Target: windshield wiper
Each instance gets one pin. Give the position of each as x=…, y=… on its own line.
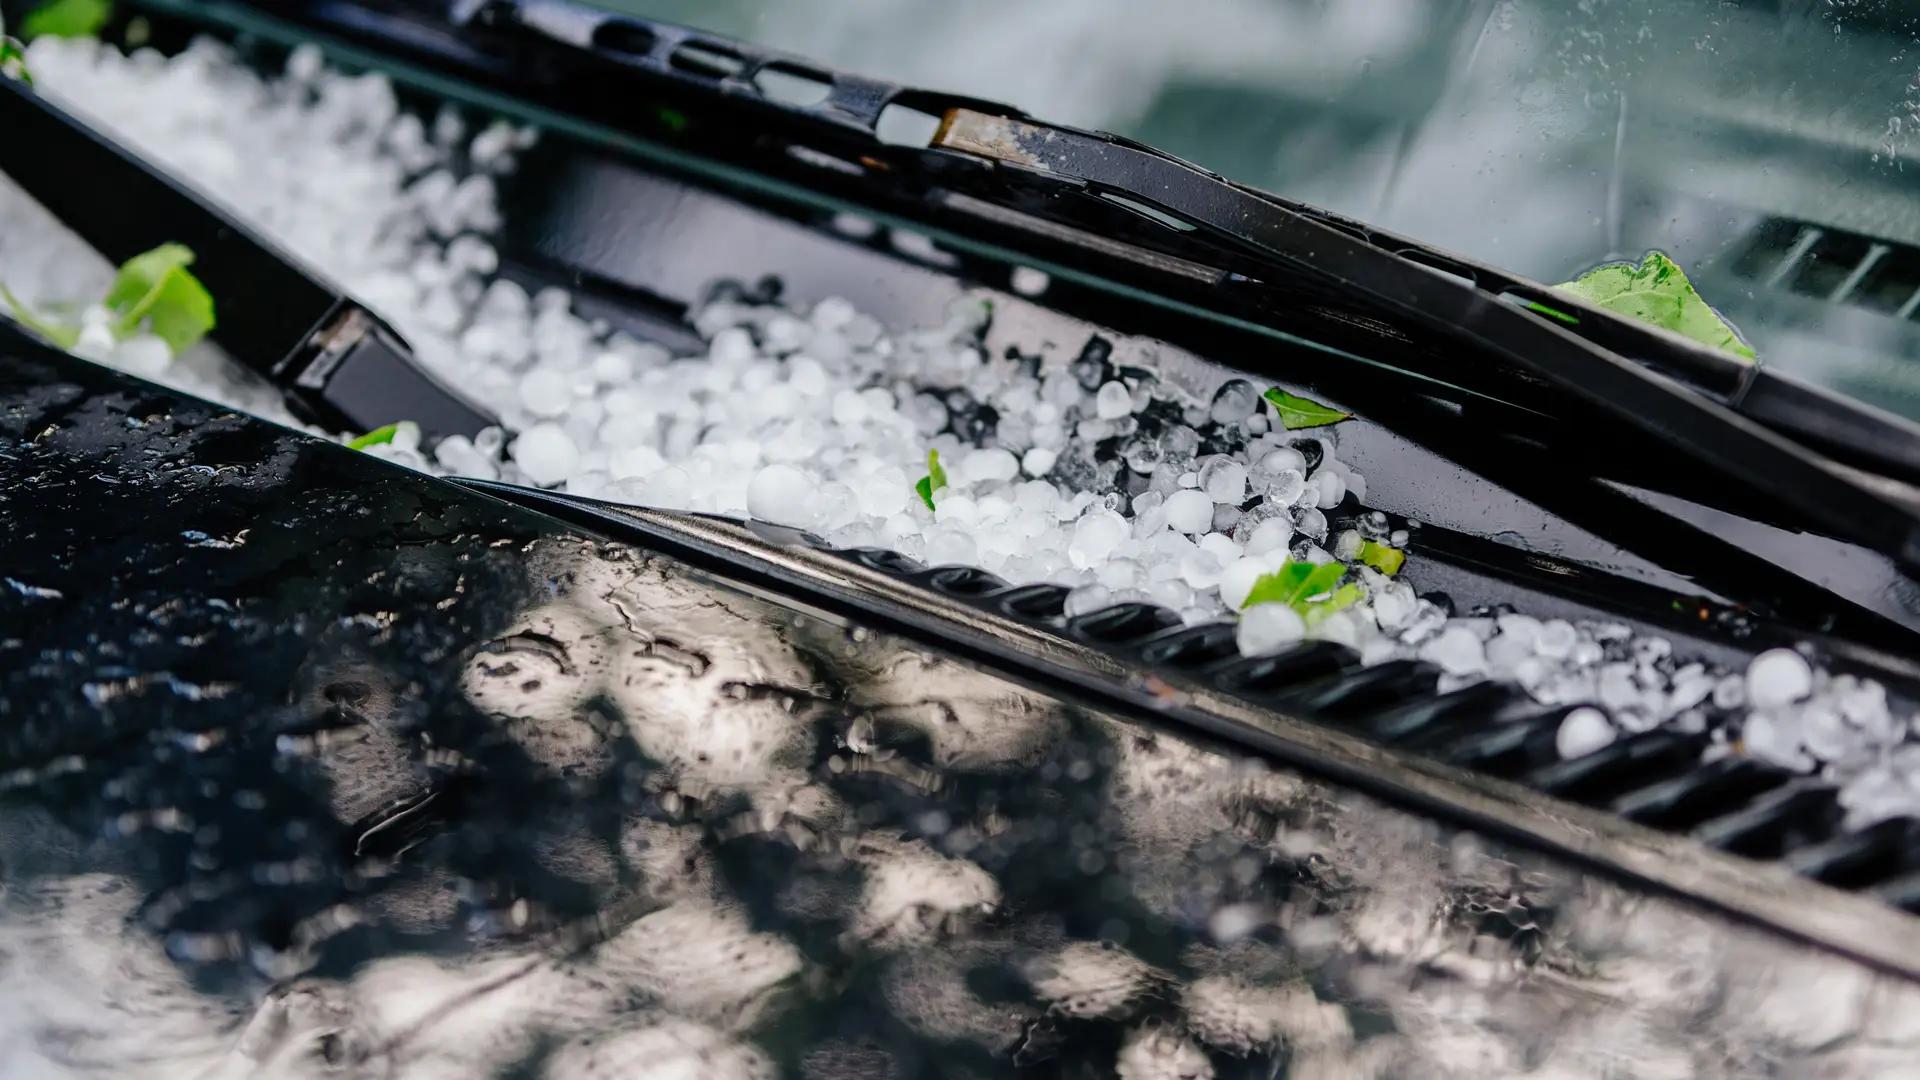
x=992, y=176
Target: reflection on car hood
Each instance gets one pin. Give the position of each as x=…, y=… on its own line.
x=316, y=767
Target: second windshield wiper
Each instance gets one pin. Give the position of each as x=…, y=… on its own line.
x=337, y=363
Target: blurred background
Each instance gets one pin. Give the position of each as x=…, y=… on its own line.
x=1762, y=143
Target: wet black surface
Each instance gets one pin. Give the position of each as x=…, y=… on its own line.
x=311, y=765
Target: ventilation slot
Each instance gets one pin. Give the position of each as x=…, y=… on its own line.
x=904, y=125
x=1714, y=790
x=1835, y=260
x=1774, y=827
x=1437, y=719
x=793, y=86
x=1037, y=602
x=891, y=562
x=1190, y=650
x=1301, y=664
x=1150, y=212
x=1513, y=749
x=1890, y=849
x=1122, y=624
x=1891, y=285
x=620, y=36
x=965, y=582
x=1360, y=693
x=707, y=61
x=1604, y=775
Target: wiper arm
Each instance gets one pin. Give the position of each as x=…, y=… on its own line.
x=1189, y=233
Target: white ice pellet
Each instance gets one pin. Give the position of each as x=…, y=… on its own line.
x=1113, y=401
x=951, y=547
x=1266, y=629
x=991, y=465
x=1273, y=534
x=1087, y=599
x=1038, y=461
x=142, y=354
x=1224, y=480
x=783, y=495
x=1029, y=282
x=546, y=454
x=1458, y=651
x=1331, y=487
x=1095, y=536
x=1778, y=677
x=1582, y=732
x=545, y=393
x=1774, y=739
x=1556, y=639
x=1235, y=401
x=1237, y=580
x=1189, y=511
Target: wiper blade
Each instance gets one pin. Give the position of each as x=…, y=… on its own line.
x=338, y=364
x=1733, y=416
x=1183, y=232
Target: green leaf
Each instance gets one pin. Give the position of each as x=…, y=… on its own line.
x=13, y=61
x=935, y=479
x=1657, y=292
x=1554, y=313
x=1317, y=611
x=156, y=288
x=1297, y=412
x=374, y=438
x=1387, y=560
x=67, y=19
x=1295, y=584
x=62, y=335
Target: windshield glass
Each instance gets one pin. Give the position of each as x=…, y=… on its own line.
x=1763, y=144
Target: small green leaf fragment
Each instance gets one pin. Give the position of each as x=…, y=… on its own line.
x=13, y=61
x=1295, y=584
x=374, y=438
x=1554, y=313
x=156, y=288
x=1344, y=597
x=935, y=479
x=1297, y=412
x=1387, y=560
x=67, y=19
x=1656, y=291
x=62, y=335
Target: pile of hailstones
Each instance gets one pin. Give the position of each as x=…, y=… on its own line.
x=1100, y=479
x=1072, y=473
x=1103, y=480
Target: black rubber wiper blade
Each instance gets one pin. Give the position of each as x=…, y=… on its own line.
x=1678, y=392
x=1425, y=307
x=338, y=364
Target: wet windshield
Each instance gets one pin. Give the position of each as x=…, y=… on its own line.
x=1762, y=143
